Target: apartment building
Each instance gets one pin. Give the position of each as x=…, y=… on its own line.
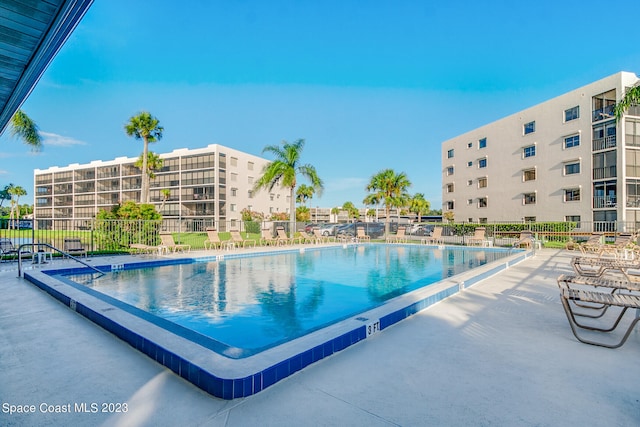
x=566, y=159
x=213, y=184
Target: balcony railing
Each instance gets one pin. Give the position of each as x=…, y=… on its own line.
x=604, y=143
x=608, y=172
x=603, y=113
x=604, y=202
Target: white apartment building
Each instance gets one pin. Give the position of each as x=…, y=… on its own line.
x=212, y=184
x=566, y=159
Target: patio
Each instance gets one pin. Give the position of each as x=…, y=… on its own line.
x=500, y=353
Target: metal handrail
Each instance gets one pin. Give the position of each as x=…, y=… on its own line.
x=55, y=249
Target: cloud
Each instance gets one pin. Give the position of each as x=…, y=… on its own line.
x=342, y=184
x=3, y=172
x=59, y=140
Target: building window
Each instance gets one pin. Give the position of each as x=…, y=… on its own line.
x=571, y=194
x=469, y=145
x=234, y=161
x=450, y=154
x=482, y=163
x=482, y=202
x=449, y=170
x=529, y=175
x=469, y=164
x=250, y=194
x=573, y=218
x=470, y=182
x=482, y=143
x=482, y=182
x=529, y=127
x=449, y=188
x=572, y=141
x=232, y=207
x=450, y=205
x=272, y=196
x=469, y=201
x=250, y=180
x=529, y=219
x=572, y=168
x=234, y=192
x=571, y=113
x=234, y=177
x=632, y=131
x=530, y=198
x=529, y=151
x=250, y=166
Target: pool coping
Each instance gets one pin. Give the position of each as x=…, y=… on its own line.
x=234, y=378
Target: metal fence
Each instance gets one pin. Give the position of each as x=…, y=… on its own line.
x=115, y=236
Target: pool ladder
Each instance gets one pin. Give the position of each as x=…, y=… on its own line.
x=46, y=245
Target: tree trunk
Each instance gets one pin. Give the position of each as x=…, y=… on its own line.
x=292, y=214
x=144, y=190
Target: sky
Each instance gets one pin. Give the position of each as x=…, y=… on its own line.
x=369, y=85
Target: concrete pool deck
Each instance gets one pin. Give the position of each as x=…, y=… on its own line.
x=499, y=353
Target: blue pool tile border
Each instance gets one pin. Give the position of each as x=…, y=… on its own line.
x=244, y=386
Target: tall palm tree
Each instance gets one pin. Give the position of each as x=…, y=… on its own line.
x=284, y=170
x=14, y=214
x=419, y=205
x=146, y=127
x=390, y=189
x=24, y=128
x=631, y=98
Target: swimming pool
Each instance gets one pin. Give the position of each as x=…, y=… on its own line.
x=236, y=324
x=251, y=304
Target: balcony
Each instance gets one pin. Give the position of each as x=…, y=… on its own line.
x=600, y=202
x=602, y=113
x=604, y=143
x=607, y=172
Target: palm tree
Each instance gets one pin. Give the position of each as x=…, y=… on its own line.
x=5, y=194
x=631, y=98
x=284, y=170
x=14, y=214
x=154, y=163
x=388, y=188
x=419, y=205
x=304, y=193
x=166, y=193
x=352, y=211
x=147, y=128
x=24, y=128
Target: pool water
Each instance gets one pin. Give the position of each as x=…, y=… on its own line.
x=255, y=303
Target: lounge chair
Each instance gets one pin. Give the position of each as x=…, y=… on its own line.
x=526, y=239
x=478, y=237
x=142, y=249
x=266, y=238
x=320, y=238
x=171, y=245
x=283, y=238
x=623, y=242
x=620, y=297
x=73, y=246
x=237, y=239
x=213, y=239
x=361, y=235
x=435, y=238
x=8, y=250
x=399, y=237
x=593, y=245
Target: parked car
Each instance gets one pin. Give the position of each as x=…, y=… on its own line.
x=328, y=229
x=374, y=230
x=309, y=227
x=421, y=230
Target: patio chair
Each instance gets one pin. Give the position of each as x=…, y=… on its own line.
x=266, y=238
x=361, y=235
x=142, y=249
x=435, y=238
x=171, y=245
x=282, y=236
x=320, y=238
x=478, y=237
x=213, y=239
x=526, y=239
x=624, y=242
x=593, y=245
x=399, y=237
x=73, y=246
x=237, y=239
x=592, y=294
x=307, y=238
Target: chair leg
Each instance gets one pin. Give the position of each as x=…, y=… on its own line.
x=573, y=324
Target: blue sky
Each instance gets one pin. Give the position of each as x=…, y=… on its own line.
x=368, y=84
